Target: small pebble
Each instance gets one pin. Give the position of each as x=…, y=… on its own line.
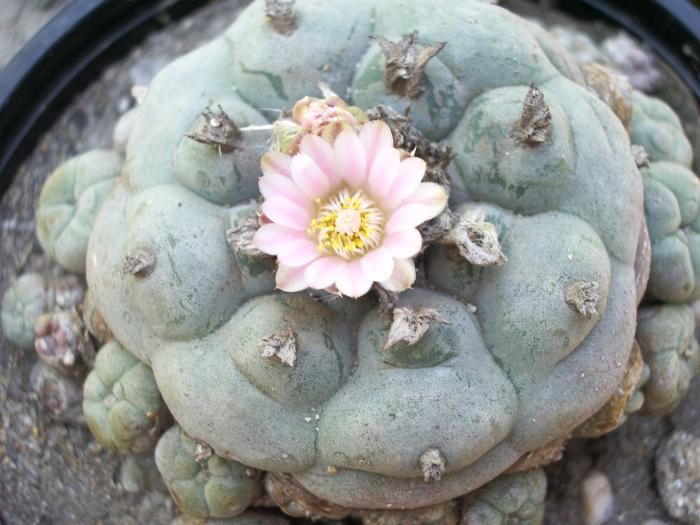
x=131, y=476
x=678, y=476
x=598, y=499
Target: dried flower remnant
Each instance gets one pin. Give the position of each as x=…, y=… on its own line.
x=405, y=64
x=280, y=345
x=640, y=156
x=219, y=130
x=281, y=15
x=476, y=239
x=139, y=263
x=343, y=216
x=583, y=298
x=410, y=139
x=410, y=325
x=533, y=127
x=432, y=463
x=240, y=237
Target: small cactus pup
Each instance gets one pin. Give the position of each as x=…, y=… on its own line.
x=121, y=402
x=516, y=499
x=380, y=310
x=671, y=201
x=666, y=337
x=69, y=202
x=22, y=304
x=247, y=518
x=203, y=484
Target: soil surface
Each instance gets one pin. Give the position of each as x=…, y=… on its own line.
x=53, y=473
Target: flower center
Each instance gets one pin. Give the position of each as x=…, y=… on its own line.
x=347, y=225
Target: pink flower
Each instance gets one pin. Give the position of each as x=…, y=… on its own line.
x=342, y=216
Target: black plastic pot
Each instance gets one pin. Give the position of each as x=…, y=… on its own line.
x=62, y=57
x=72, y=49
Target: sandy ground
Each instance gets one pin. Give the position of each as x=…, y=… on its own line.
x=52, y=472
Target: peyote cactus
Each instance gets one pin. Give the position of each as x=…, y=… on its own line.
x=282, y=335
x=69, y=201
x=177, y=296
x=666, y=337
x=22, y=304
x=248, y=518
x=121, y=402
x=203, y=484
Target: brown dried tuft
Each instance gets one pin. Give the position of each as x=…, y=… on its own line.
x=533, y=127
x=405, y=64
x=476, y=240
x=219, y=130
x=583, y=298
x=281, y=15
x=139, y=263
x=410, y=325
x=432, y=463
x=280, y=345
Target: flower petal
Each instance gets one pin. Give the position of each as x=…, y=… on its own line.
x=428, y=194
x=323, y=272
x=411, y=172
x=270, y=237
x=276, y=162
x=299, y=252
x=322, y=154
x=351, y=159
x=290, y=279
x=353, y=281
x=378, y=264
x=309, y=177
x=383, y=172
x=403, y=277
x=403, y=244
x=274, y=185
x=375, y=136
x=286, y=213
x=408, y=216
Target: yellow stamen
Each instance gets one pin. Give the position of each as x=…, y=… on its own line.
x=347, y=225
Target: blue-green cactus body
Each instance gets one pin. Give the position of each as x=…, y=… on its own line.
x=354, y=422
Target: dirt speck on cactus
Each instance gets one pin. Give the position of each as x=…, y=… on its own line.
x=533, y=127
x=404, y=64
x=280, y=345
x=410, y=325
x=583, y=298
x=432, y=463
